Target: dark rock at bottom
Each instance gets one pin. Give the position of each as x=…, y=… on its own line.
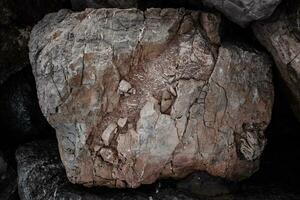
x=42, y=176
x=8, y=180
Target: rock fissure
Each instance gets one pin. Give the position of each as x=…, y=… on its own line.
x=172, y=91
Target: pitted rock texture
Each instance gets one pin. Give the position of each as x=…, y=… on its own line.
x=281, y=38
x=243, y=12
x=186, y=102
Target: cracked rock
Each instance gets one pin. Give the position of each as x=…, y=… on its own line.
x=280, y=36
x=243, y=12
x=218, y=91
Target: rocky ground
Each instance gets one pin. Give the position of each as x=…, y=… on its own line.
x=186, y=100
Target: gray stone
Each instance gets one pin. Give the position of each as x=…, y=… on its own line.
x=281, y=38
x=243, y=12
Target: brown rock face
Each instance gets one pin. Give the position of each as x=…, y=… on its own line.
x=136, y=96
x=281, y=37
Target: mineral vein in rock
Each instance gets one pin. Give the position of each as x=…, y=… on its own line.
x=186, y=103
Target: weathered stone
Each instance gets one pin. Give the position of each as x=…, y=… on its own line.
x=221, y=96
x=243, y=12
x=124, y=87
x=42, y=176
x=40, y=172
x=279, y=36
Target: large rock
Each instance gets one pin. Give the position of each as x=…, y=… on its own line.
x=280, y=35
x=243, y=12
x=136, y=96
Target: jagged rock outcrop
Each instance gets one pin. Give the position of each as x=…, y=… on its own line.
x=281, y=38
x=243, y=12
x=135, y=96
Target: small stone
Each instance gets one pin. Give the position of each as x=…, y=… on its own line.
x=108, y=133
x=108, y=155
x=124, y=87
x=122, y=122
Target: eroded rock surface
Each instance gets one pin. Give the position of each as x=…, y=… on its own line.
x=193, y=104
x=243, y=12
x=281, y=37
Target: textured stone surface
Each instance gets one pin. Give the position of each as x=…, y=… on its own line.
x=196, y=105
x=281, y=38
x=40, y=171
x=243, y=12
x=42, y=176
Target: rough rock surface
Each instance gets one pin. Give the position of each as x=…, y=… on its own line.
x=42, y=176
x=195, y=105
x=243, y=12
x=40, y=171
x=280, y=36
